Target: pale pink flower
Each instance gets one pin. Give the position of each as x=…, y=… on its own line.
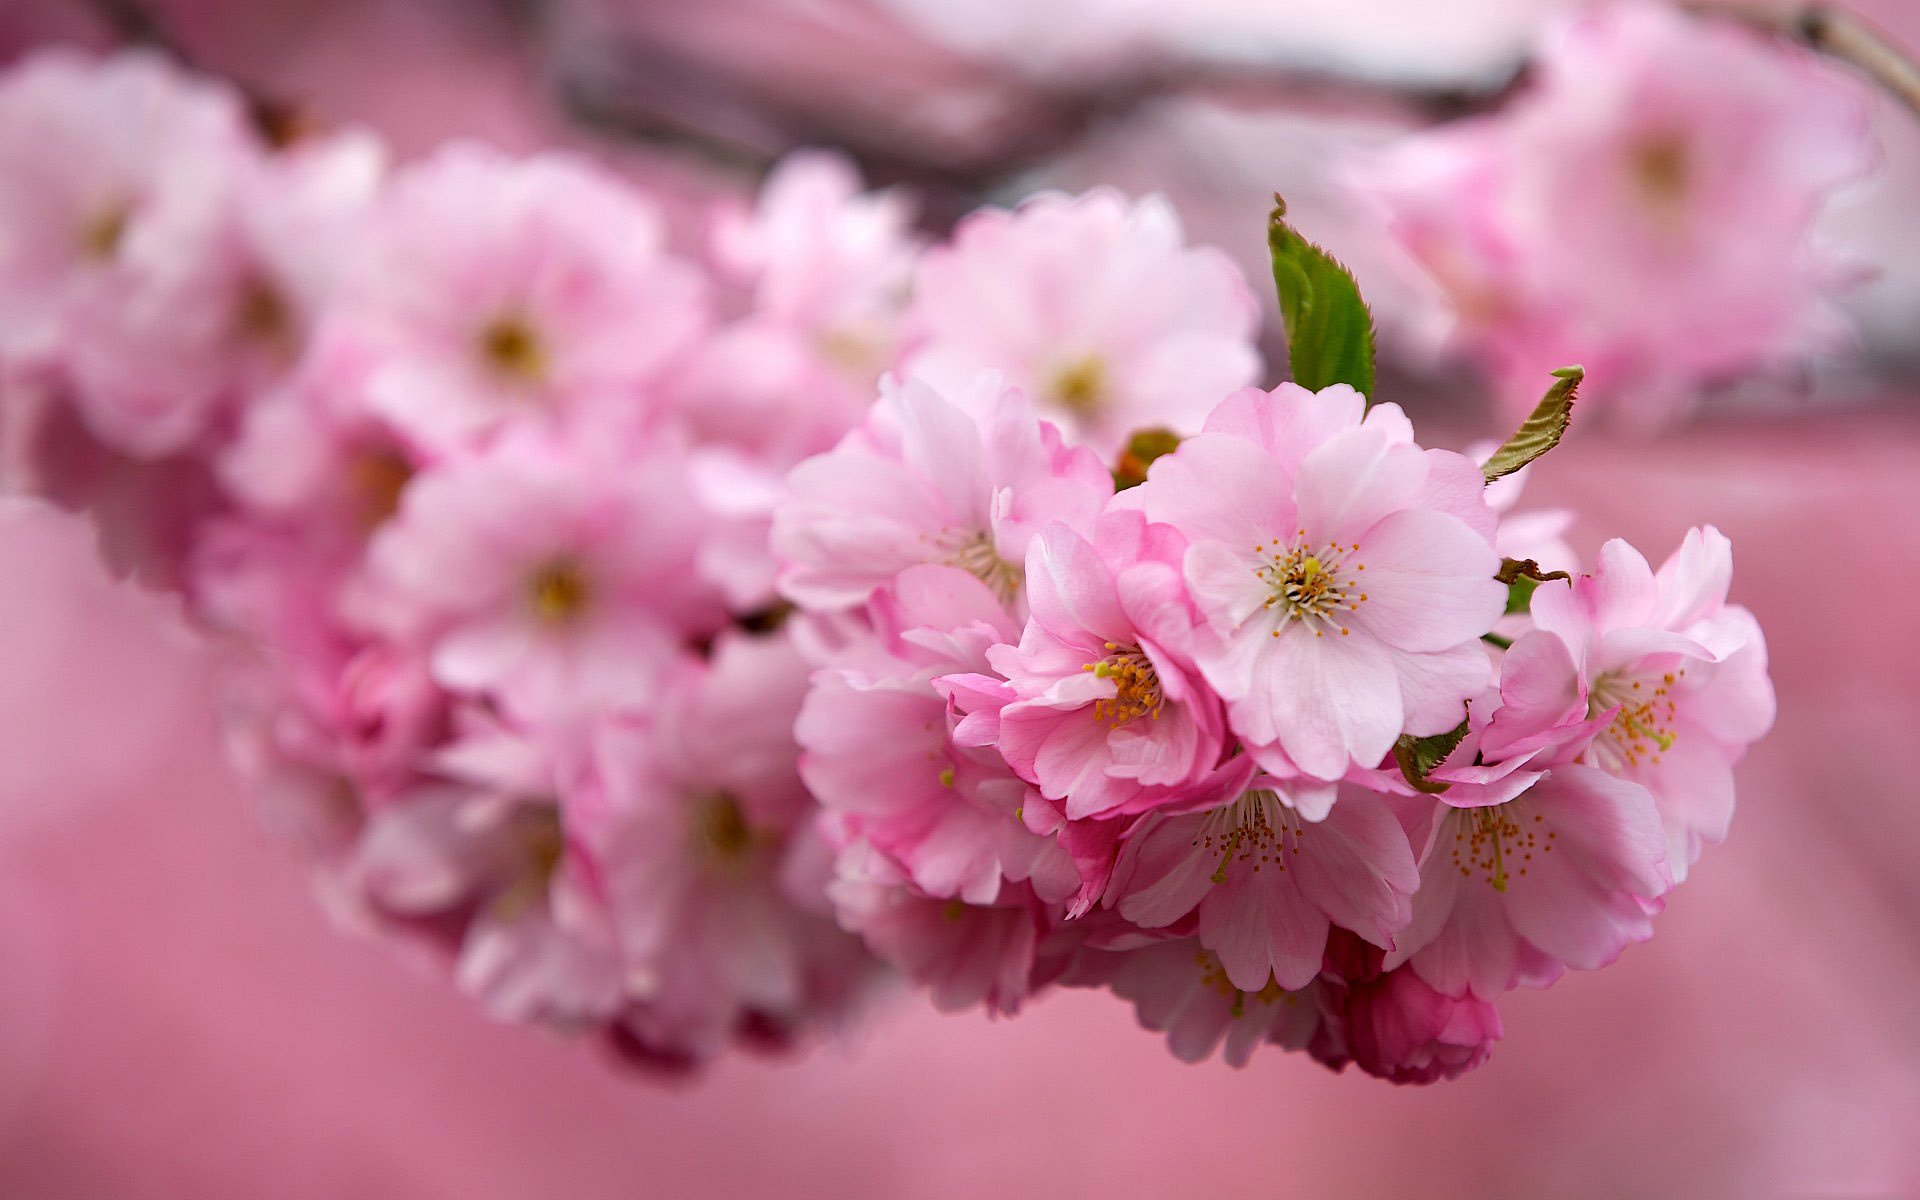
x=1266, y=884
x=1567, y=874
x=1343, y=575
x=547, y=574
x=499, y=290
x=1107, y=706
x=1644, y=207
x=117, y=180
x=707, y=811
x=1683, y=672
x=533, y=938
x=826, y=269
x=1095, y=307
x=963, y=954
x=881, y=755
x=1178, y=987
x=313, y=456
x=925, y=480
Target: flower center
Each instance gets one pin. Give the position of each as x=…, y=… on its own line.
x=1213, y=977
x=1316, y=586
x=262, y=316
x=375, y=480
x=1663, y=168
x=1643, y=729
x=102, y=233
x=1257, y=828
x=975, y=554
x=558, y=591
x=535, y=844
x=513, y=349
x=720, y=828
x=1136, y=686
x=1497, y=842
x=1080, y=387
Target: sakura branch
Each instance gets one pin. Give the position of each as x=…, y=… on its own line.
x=1096, y=664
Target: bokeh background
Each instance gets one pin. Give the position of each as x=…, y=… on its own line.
x=178, y=1020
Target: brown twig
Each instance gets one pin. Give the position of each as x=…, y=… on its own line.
x=278, y=122
x=1838, y=35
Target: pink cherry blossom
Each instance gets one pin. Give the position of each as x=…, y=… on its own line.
x=1267, y=885
x=117, y=179
x=1343, y=574
x=539, y=944
x=1108, y=706
x=1179, y=988
x=1683, y=671
x=1644, y=207
x=707, y=815
x=923, y=481
x=502, y=291
x=312, y=454
x=542, y=573
x=964, y=955
x=1094, y=307
x=826, y=269
x=880, y=753
x=1395, y=1027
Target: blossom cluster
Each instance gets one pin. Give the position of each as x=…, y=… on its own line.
x=1263, y=743
x=597, y=634
x=1645, y=205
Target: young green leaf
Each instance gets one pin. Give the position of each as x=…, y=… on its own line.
x=1418, y=757
x=1329, y=330
x=1543, y=430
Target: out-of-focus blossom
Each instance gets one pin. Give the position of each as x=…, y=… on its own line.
x=541, y=574
x=497, y=291
x=961, y=479
x=1094, y=307
x=116, y=181
x=1644, y=207
x=722, y=926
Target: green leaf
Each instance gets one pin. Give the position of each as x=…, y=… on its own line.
x=1419, y=756
x=1142, y=448
x=1540, y=432
x=1329, y=330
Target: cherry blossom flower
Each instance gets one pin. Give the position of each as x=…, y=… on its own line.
x=1392, y=1025
x=880, y=753
x=117, y=179
x=1557, y=865
x=1644, y=207
x=1683, y=672
x=542, y=577
x=708, y=814
x=827, y=269
x=1343, y=574
x=1179, y=988
x=925, y=482
x=500, y=291
x=1266, y=884
x=1094, y=307
x=1108, y=705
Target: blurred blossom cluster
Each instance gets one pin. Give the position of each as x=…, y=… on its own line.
x=600, y=635
x=1645, y=205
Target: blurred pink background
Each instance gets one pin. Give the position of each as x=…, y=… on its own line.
x=177, y=1019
